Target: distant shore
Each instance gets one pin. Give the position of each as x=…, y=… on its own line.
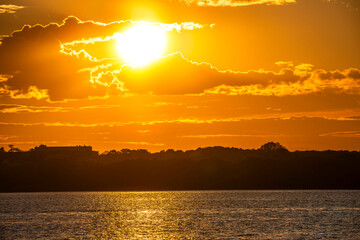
x=212, y=168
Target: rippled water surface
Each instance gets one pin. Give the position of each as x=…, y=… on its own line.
x=181, y=215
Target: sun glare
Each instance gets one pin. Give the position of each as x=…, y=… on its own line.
x=142, y=44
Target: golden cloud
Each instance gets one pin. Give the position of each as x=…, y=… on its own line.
x=342, y=134
x=237, y=3
x=188, y=121
x=177, y=75
x=42, y=62
x=225, y=135
x=15, y=108
x=54, y=62
x=9, y=8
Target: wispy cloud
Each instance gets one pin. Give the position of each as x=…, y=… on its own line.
x=10, y=8
x=6, y=137
x=148, y=144
x=174, y=121
x=237, y=3
x=342, y=134
x=309, y=82
x=14, y=108
x=225, y=135
x=285, y=63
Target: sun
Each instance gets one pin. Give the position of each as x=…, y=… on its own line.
x=141, y=44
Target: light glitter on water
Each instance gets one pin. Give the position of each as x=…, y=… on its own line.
x=181, y=215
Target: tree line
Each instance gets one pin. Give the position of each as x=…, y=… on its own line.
x=271, y=166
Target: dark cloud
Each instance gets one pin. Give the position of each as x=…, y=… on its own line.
x=32, y=57
x=44, y=57
x=47, y=61
x=177, y=75
x=354, y=73
x=354, y=117
x=331, y=75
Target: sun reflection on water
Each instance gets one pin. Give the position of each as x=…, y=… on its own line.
x=180, y=215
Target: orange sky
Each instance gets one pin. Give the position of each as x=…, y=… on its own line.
x=234, y=73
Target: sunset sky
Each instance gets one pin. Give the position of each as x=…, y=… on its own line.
x=180, y=74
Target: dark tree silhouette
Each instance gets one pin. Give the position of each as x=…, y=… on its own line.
x=272, y=166
x=273, y=146
x=14, y=149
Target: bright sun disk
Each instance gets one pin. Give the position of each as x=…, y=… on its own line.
x=142, y=44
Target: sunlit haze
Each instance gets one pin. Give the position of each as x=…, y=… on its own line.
x=141, y=44
x=180, y=74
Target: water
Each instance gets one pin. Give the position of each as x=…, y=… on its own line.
x=181, y=215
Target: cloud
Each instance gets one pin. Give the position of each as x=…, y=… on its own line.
x=4, y=78
x=15, y=108
x=298, y=132
x=318, y=81
x=115, y=32
x=58, y=62
x=144, y=131
x=30, y=143
x=120, y=124
x=10, y=9
x=342, y=134
x=32, y=92
x=304, y=67
x=32, y=57
x=311, y=86
x=42, y=61
x=237, y=3
x=354, y=117
x=142, y=143
x=225, y=135
x=177, y=75
x=285, y=63
x=187, y=121
x=6, y=137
